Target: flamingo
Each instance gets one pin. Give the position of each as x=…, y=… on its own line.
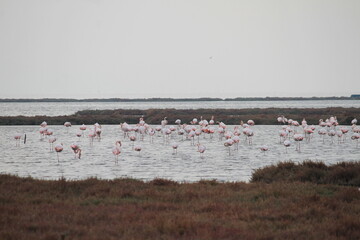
x=339, y=134
x=356, y=137
x=228, y=143
x=249, y=133
x=250, y=122
x=49, y=132
x=77, y=150
x=164, y=122
x=344, y=131
x=211, y=122
x=181, y=132
x=92, y=135
x=125, y=128
x=178, y=122
x=117, y=150
x=83, y=128
x=201, y=149
x=298, y=138
x=151, y=134
x=198, y=133
x=42, y=131
x=138, y=148
x=17, y=137
x=194, y=121
x=192, y=135
x=132, y=139
x=175, y=146
x=322, y=132
x=43, y=124
x=67, y=125
x=283, y=134
x=332, y=133
x=264, y=148
x=287, y=144
x=58, y=149
x=51, y=140
x=236, y=140
x=141, y=121
x=308, y=131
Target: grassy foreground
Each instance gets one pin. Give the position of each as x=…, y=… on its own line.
x=266, y=116
x=162, y=209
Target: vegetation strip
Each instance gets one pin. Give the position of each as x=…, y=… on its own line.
x=266, y=116
x=163, y=209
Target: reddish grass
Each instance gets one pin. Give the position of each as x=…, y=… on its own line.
x=162, y=209
x=343, y=173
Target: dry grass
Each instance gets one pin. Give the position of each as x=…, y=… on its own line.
x=162, y=209
x=343, y=173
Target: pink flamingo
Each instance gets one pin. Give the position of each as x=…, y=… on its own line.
x=83, y=128
x=212, y=122
x=77, y=150
x=175, y=146
x=51, y=140
x=181, y=132
x=308, y=131
x=287, y=144
x=356, y=137
x=17, y=137
x=344, y=130
x=178, y=123
x=283, y=134
x=164, y=122
x=322, y=132
x=198, y=133
x=201, y=149
x=92, y=135
x=298, y=138
x=117, y=150
x=250, y=122
x=132, y=139
x=151, y=133
x=228, y=143
x=332, y=133
x=67, y=125
x=98, y=133
x=264, y=148
x=138, y=148
x=339, y=134
x=192, y=135
x=236, y=140
x=249, y=134
x=58, y=149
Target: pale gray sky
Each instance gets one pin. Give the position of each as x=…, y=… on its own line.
x=179, y=48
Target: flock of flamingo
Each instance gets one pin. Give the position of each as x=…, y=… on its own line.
x=230, y=137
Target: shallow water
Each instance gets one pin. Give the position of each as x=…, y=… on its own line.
x=157, y=159
x=68, y=108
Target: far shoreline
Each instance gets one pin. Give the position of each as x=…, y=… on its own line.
x=201, y=99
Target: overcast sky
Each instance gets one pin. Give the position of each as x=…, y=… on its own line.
x=179, y=48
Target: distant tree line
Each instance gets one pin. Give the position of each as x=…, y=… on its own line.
x=352, y=97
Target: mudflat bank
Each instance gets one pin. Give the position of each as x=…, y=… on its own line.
x=266, y=116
